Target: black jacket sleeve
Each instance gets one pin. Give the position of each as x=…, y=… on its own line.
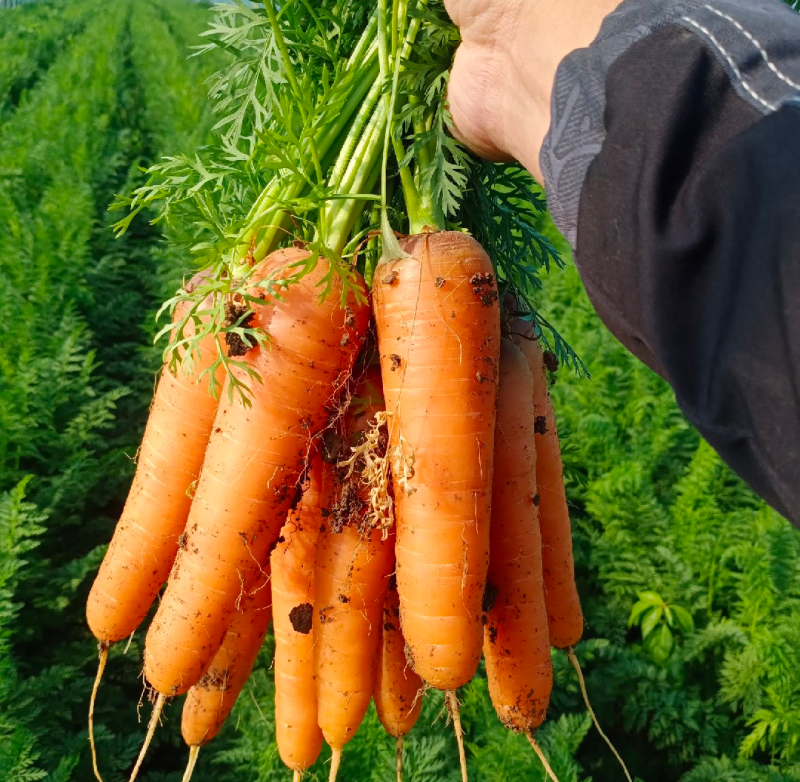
x=673, y=164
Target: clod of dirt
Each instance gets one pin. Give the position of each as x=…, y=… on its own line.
x=302, y=617
x=333, y=447
x=344, y=599
x=395, y=359
x=388, y=626
x=233, y=313
x=323, y=614
x=540, y=425
x=490, y=593
x=550, y=361
x=492, y=634
x=439, y=282
x=390, y=279
x=349, y=508
x=537, y=498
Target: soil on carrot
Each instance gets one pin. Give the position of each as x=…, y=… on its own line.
x=215, y=679
x=490, y=594
x=540, y=425
x=550, y=361
x=302, y=617
x=233, y=312
x=483, y=286
x=348, y=509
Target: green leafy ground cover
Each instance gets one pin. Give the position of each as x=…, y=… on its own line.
x=690, y=584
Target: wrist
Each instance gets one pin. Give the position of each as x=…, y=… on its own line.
x=543, y=36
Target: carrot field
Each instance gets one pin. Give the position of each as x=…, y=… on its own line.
x=689, y=585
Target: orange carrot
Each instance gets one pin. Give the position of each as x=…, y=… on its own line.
x=254, y=459
x=439, y=340
x=352, y=574
x=296, y=730
x=146, y=538
x=564, y=613
x=145, y=541
x=210, y=701
x=516, y=642
x=398, y=690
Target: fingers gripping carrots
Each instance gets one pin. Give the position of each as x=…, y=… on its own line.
x=297, y=733
x=253, y=461
x=516, y=639
x=439, y=338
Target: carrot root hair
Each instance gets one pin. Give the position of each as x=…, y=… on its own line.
x=538, y=750
x=336, y=759
x=455, y=714
x=582, y=682
x=158, y=707
x=101, y=666
x=297, y=776
x=399, y=756
x=194, y=751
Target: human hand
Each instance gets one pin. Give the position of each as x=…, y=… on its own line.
x=503, y=74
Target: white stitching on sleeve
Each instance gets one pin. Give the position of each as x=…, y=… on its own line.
x=750, y=90
x=774, y=68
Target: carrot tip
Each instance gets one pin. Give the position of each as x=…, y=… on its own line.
x=336, y=759
x=194, y=751
x=399, y=753
x=538, y=750
x=582, y=682
x=101, y=666
x=151, y=729
x=452, y=707
x=297, y=776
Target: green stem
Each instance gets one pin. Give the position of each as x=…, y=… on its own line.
x=291, y=77
x=360, y=177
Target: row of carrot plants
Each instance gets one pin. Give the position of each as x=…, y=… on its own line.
x=77, y=324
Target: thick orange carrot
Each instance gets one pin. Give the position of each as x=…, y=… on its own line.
x=296, y=730
x=353, y=568
x=439, y=339
x=254, y=459
x=210, y=701
x=561, y=593
x=398, y=690
x=516, y=641
x=145, y=541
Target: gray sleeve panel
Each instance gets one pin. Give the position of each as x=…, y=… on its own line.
x=756, y=41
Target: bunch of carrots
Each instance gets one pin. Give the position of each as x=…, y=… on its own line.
x=372, y=468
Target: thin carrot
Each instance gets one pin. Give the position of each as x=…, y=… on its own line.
x=561, y=593
x=147, y=535
x=254, y=459
x=439, y=340
x=145, y=541
x=210, y=701
x=354, y=564
x=398, y=690
x=516, y=642
x=297, y=733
